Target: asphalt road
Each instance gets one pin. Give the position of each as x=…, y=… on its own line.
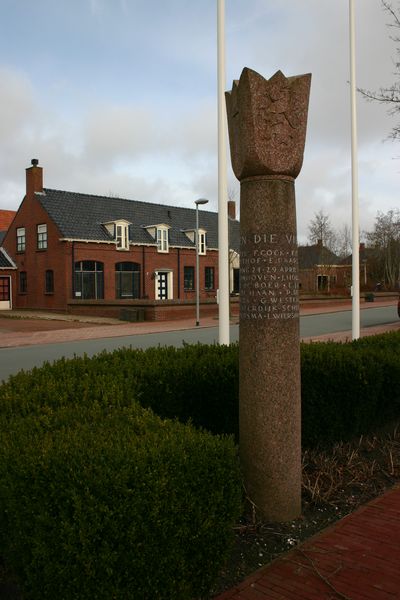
x=13, y=360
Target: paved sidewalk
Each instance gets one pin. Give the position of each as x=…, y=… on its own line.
x=358, y=558
x=103, y=327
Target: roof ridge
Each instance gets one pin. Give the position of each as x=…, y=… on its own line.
x=126, y=200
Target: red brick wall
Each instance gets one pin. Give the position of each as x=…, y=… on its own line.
x=153, y=261
x=154, y=311
x=60, y=256
x=35, y=262
x=309, y=277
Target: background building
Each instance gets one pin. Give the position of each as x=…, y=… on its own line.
x=76, y=252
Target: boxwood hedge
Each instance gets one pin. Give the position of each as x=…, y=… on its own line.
x=347, y=389
x=102, y=503
x=102, y=499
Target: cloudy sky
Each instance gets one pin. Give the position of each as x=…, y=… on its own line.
x=119, y=97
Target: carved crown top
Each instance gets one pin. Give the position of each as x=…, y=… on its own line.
x=267, y=122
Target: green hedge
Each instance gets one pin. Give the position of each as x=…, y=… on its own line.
x=102, y=499
x=109, y=503
x=197, y=383
x=347, y=389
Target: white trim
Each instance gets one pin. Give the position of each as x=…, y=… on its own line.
x=162, y=239
x=170, y=282
x=8, y=257
x=130, y=243
x=156, y=226
x=202, y=236
x=4, y=302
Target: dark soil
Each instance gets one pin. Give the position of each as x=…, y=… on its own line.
x=335, y=483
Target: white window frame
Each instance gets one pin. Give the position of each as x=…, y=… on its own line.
x=21, y=234
x=7, y=304
x=122, y=235
x=162, y=239
x=41, y=230
x=202, y=242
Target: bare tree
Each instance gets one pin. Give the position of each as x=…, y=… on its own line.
x=344, y=241
x=390, y=96
x=385, y=238
x=320, y=228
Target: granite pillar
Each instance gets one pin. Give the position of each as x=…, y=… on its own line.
x=267, y=127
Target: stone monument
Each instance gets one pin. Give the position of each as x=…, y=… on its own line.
x=267, y=122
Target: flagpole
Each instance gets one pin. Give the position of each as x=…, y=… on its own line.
x=223, y=238
x=355, y=288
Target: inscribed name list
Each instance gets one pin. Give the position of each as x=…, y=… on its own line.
x=269, y=280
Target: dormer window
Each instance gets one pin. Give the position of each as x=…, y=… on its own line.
x=162, y=239
x=202, y=241
x=159, y=233
x=119, y=230
x=122, y=236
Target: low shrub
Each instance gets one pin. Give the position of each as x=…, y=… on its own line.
x=196, y=383
x=101, y=499
x=347, y=389
x=102, y=503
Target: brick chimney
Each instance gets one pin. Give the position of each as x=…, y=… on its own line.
x=362, y=246
x=232, y=209
x=34, y=178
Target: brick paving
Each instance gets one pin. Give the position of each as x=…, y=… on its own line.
x=357, y=558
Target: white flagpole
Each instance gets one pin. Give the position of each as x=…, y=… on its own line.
x=223, y=240
x=355, y=289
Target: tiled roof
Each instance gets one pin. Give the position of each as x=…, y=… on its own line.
x=366, y=254
x=5, y=261
x=309, y=256
x=6, y=217
x=82, y=216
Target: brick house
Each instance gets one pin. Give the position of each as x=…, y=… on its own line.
x=320, y=270
x=370, y=267
x=91, y=254
x=7, y=265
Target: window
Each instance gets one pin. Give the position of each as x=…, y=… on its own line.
x=236, y=281
x=209, y=278
x=42, y=237
x=23, y=283
x=89, y=280
x=162, y=239
x=188, y=278
x=4, y=289
x=49, y=282
x=122, y=236
x=202, y=242
x=21, y=240
x=127, y=280
x=322, y=283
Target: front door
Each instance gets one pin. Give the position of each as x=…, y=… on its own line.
x=5, y=296
x=162, y=285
